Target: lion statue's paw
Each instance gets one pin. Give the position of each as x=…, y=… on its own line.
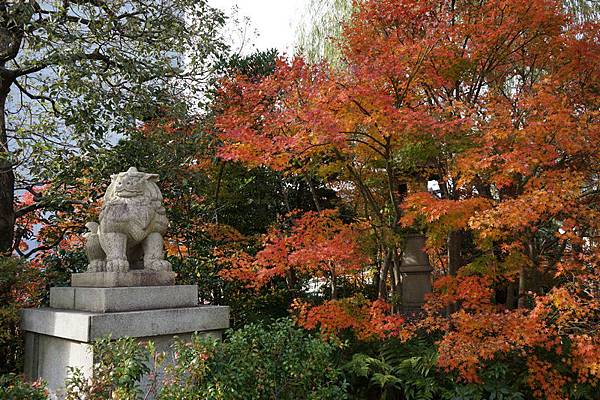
x=118, y=265
x=97, y=266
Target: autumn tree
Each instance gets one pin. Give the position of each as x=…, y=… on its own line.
x=494, y=103
x=421, y=84
x=322, y=21
x=74, y=73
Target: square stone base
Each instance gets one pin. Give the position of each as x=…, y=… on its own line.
x=116, y=299
x=57, y=339
x=123, y=279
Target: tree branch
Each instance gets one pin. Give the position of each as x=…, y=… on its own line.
x=29, y=70
x=43, y=247
x=41, y=204
x=37, y=97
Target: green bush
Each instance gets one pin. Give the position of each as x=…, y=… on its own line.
x=119, y=367
x=408, y=371
x=396, y=370
x=12, y=387
x=276, y=361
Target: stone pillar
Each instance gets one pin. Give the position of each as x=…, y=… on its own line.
x=104, y=303
x=416, y=274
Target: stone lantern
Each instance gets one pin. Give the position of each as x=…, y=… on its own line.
x=416, y=274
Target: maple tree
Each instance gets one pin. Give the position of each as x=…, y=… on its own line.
x=496, y=102
x=316, y=246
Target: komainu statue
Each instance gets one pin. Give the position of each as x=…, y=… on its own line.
x=130, y=231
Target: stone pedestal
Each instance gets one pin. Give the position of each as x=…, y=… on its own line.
x=416, y=274
x=61, y=336
x=123, y=279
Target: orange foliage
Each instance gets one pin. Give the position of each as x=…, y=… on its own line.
x=547, y=383
x=271, y=107
x=317, y=244
x=482, y=331
x=366, y=319
x=476, y=338
x=586, y=357
x=471, y=292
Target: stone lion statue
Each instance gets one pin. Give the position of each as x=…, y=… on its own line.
x=130, y=231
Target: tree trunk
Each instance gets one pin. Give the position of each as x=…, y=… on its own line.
x=313, y=192
x=510, y=296
x=397, y=279
x=379, y=267
x=218, y=190
x=522, y=288
x=525, y=272
x=12, y=18
x=383, y=274
x=333, y=281
x=392, y=189
x=7, y=177
x=455, y=258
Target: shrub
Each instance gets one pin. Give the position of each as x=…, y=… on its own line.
x=12, y=387
x=276, y=361
x=118, y=369
x=396, y=370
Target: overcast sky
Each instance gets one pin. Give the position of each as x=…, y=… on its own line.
x=274, y=20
